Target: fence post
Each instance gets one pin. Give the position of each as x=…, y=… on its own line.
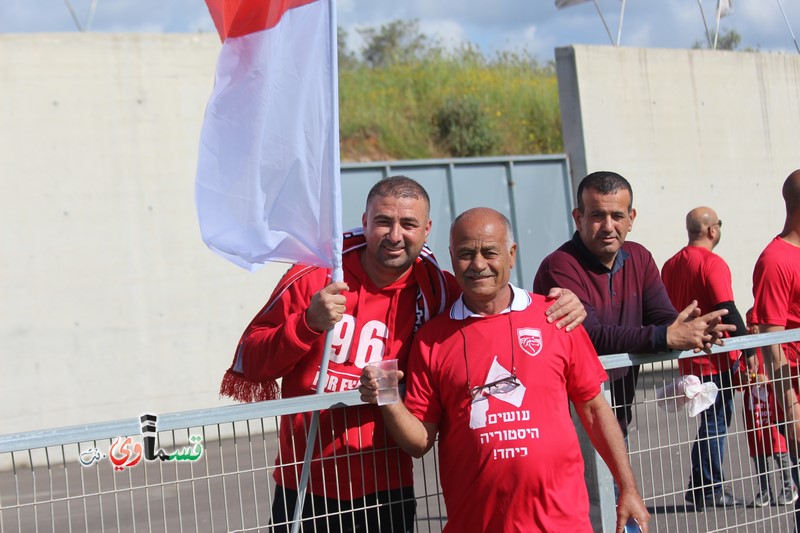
x=599, y=481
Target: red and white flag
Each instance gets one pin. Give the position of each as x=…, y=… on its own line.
x=267, y=186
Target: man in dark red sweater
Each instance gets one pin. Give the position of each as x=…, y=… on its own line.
x=627, y=307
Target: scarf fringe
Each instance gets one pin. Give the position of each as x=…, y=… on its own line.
x=235, y=385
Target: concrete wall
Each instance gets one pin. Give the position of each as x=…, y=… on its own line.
x=110, y=304
x=687, y=128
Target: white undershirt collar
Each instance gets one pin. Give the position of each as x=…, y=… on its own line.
x=520, y=302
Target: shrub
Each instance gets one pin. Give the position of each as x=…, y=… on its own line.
x=462, y=129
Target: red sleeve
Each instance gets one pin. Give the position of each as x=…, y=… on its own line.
x=422, y=398
x=278, y=337
x=718, y=277
x=584, y=372
x=771, y=290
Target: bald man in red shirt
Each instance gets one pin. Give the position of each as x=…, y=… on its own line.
x=697, y=273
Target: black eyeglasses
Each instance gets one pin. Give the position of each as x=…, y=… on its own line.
x=505, y=384
x=718, y=223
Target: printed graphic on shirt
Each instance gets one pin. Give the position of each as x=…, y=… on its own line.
x=502, y=425
x=530, y=339
x=759, y=405
x=370, y=343
x=420, y=314
x=337, y=381
x=510, y=394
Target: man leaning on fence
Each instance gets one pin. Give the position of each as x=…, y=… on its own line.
x=494, y=379
x=392, y=284
x=627, y=307
x=776, y=307
x=696, y=272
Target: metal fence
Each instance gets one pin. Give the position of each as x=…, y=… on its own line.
x=215, y=472
x=659, y=444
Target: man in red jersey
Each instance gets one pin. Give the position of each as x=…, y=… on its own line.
x=776, y=307
x=494, y=379
x=392, y=284
x=697, y=273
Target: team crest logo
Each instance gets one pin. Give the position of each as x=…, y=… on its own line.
x=530, y=340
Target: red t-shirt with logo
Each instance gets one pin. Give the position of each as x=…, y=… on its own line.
x=509, y=460
x=696, y=273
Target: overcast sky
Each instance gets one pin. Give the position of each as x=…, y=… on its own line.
x=534, y=24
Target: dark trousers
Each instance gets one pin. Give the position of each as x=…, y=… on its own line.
x=709, y=448
x=622, y=392
x=389, y=511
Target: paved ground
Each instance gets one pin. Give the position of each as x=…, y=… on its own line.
x=230, y=488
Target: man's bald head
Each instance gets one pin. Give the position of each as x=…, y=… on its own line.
x=791, y=192
x=703, y=227
x=699, y=219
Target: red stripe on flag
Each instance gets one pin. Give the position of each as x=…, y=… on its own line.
x=234, y=18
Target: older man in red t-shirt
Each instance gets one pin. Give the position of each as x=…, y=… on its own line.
x=697, y=273
x=494, y=380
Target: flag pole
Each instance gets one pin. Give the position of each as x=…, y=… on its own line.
x=619, y=29
x=719, y=16
x=705, y=23
x=338, y=273
x=610, y=38
x=74, y=15
x=789, y=26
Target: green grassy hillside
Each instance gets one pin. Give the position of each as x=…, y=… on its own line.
x=411, y=99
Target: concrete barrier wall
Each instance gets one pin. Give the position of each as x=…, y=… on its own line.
x=110, y=304
x=687, y=128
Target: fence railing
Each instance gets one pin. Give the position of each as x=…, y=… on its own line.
x=217, y=465
x=660, y=438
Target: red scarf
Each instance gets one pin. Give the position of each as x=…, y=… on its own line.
x=433, y=296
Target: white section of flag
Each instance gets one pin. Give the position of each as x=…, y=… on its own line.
x=267, y=186
x=724, y=7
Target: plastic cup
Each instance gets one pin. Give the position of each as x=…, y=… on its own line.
x=387, y=381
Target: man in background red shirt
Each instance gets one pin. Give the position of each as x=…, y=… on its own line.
x=697, y=273
x=776, y=307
